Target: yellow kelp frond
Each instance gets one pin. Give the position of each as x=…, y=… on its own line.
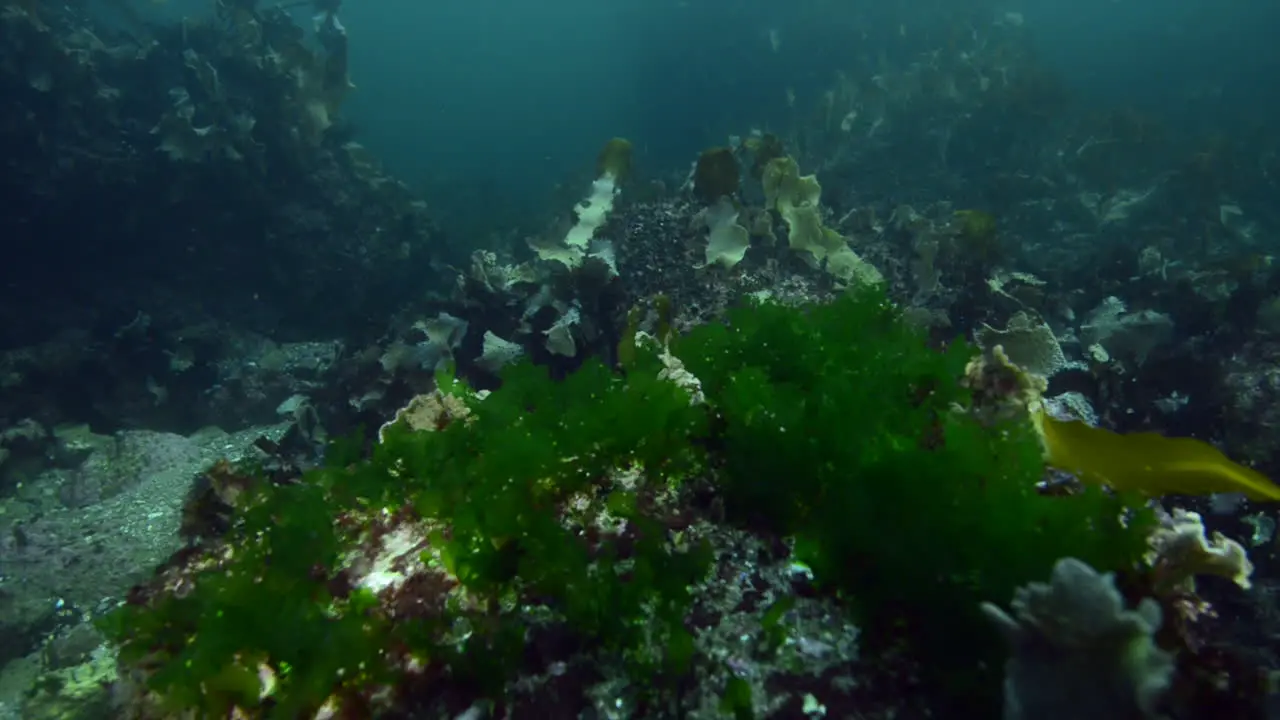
x=1147, y=462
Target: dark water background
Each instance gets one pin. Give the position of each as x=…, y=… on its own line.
x=485, y=106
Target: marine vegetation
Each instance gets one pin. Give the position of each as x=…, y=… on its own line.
x=716, y=175
x=1148, y=462
x=615, y=159
x=977, y=235
x=763, y=148
x=834, y=426
x=839, y=427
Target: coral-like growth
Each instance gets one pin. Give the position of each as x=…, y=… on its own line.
x=1078, y=651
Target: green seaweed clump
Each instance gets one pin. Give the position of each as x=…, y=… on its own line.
x=839, y=427
x=502, y=479
x=836, y=425
x=267, y=607
x=279, y=599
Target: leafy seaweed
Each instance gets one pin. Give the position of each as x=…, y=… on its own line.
x=836, y=425
x=498, y=482
x=840, y=427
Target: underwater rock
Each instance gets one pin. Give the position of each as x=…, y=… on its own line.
x=66, y=561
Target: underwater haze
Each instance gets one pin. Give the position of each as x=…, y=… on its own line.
x=492, y=103
x=1211, y=63
x=485, y=106
x=502, y=99
x=639, y=359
